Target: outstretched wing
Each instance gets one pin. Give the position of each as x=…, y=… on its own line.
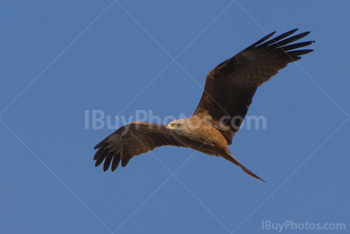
x=230, y=86
x=131, y=140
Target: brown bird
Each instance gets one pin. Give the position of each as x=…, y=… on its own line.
x=228, y=92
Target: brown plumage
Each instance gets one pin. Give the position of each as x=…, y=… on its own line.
x=228, y=92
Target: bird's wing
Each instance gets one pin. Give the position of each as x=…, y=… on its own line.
x=230, y=86
x=131, y=140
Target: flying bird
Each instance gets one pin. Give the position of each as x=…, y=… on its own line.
x=228, y=92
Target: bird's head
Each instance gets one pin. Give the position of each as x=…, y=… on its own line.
x=176, y=124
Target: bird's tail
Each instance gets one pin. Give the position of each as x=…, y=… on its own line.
x=232, y=159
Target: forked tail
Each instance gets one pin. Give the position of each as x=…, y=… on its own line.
x=232, y=159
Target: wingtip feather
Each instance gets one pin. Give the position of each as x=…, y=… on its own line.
x=115, y=162
x=99, y=161
x=262, y=40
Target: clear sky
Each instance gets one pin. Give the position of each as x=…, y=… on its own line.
x=60, y=59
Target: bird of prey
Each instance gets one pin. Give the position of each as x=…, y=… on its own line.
x=228, y=92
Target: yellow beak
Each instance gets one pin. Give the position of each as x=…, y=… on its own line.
x=170, y=127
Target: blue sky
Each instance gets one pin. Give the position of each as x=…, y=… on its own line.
x=60, y=58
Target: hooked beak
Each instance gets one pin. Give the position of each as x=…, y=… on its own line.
x=170, y=127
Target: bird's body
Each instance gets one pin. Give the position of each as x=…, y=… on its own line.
x=228, y=92
x=199, y=135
